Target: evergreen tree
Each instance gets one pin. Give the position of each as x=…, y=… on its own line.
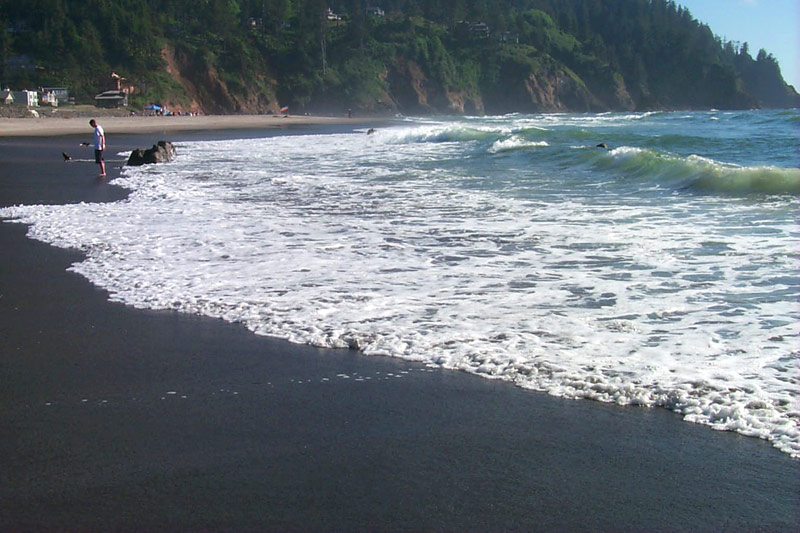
x=653, y=49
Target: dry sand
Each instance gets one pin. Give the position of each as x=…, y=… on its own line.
x=50, y=126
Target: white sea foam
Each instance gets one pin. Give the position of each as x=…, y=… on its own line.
x=515, y=142
x=372, y=242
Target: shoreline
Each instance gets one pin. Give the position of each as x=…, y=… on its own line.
x=56, y=126
x=135, y=419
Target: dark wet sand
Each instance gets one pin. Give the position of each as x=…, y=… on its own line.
x=114, y=418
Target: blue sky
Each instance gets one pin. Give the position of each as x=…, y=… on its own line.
x=773, y=25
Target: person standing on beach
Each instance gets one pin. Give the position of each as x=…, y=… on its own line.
x=99, y=146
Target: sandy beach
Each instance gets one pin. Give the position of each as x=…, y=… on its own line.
x=37, y=127
x=131, y=420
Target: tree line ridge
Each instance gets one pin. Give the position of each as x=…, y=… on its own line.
x=387, y=56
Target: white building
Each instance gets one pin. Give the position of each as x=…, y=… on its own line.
x=28, y=98
x=61, y=93
x=48, y=98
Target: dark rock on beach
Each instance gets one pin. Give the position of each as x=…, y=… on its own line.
x=161, y=152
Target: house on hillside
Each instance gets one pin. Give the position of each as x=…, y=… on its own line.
x=6, y=97
x=61, y=94
x=111, y=99
x=472, y=30
x=27, y=98
x=48, y=98
x=508, y=37
x=479, y=30
x=333, y=16
x=375, y=12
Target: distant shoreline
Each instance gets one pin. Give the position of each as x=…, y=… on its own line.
x=46, y=127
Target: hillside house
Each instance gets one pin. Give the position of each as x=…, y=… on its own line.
x=376, y=12
x=48, y=98
x=508, y=37
x=61, y=93
x=6, y=97
x=27, y=98
x=472, y=30
x=111, y=99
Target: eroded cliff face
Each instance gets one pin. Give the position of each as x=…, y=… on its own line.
x=612, y=93
x=406, y=89
x=557, y=91
x=412, y=92
x=208, y=92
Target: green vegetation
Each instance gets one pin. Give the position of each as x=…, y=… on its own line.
x=421, y=56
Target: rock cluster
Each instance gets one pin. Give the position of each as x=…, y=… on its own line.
x=161, y=152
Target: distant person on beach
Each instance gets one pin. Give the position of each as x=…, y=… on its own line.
x=99, y=146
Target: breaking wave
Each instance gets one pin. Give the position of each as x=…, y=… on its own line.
x=515, y=142
x=700, y=174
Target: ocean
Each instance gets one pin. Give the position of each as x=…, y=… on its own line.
x=657, y=270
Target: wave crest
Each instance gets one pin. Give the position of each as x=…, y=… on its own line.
x=447, y=133
x=701, y=174
x=515, y=142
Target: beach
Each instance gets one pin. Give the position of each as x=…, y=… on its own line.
x=46, y=126
x=127, y=419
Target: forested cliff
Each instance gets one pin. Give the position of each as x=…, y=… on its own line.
x=387, y=56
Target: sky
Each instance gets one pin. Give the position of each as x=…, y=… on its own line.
x=773, y=25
